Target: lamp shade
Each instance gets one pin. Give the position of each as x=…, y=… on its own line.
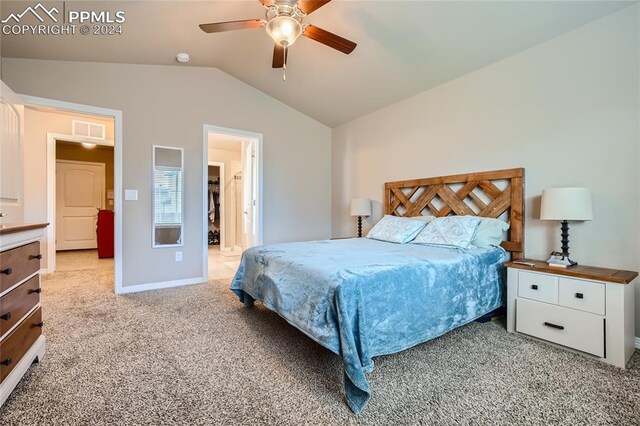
x=566, y=204
x=360, y=207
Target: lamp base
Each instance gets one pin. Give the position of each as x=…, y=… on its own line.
x=560, y=262
x=359, y=226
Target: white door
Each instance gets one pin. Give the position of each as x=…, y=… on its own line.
x=11, y=147
x=250, y=194
x=80, y=191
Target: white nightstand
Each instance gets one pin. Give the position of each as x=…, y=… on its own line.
x=583, y=308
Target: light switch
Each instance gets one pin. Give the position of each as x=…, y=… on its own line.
x=110, y=194
x=131, y=194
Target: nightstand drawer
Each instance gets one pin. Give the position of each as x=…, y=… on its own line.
x=578, y=330
x=541, y=287
x=583, y=295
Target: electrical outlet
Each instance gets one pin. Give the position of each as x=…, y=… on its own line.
x=178, y=256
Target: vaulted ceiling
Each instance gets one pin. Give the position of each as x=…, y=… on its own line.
x=404, y=47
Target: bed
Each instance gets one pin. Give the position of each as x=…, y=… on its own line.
x=362, y=298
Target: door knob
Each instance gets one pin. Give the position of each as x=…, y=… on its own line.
x=3, y=214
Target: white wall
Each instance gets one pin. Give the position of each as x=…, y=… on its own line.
x=35, y=154
x=566, y=110
x=168, y=105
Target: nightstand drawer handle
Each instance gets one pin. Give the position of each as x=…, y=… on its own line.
x=7, y=271
x=36, y=256
x=6, y=316
x=534, y=286
x=37, y=290
x=559, y=327
x=6, y=362
x=579, y=296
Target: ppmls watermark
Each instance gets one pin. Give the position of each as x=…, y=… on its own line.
x=70, y=22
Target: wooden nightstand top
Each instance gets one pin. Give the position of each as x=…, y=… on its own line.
x=579, y=271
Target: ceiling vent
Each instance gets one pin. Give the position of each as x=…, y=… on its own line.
x=89, y=129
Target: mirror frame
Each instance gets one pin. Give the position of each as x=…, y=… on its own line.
x=153, y=197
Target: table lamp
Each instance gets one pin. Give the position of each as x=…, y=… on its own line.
x=360, y=207
x=565, y=204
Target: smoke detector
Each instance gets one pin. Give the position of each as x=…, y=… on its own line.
x=182, y=57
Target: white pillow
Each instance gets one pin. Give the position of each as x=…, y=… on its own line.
x=456, y=231
x=427, y=219
x=490, y=232
x=396, y=229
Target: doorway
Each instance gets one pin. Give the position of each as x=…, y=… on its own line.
x=53, y=124
x=233, y=214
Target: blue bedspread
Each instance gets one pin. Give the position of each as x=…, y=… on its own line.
x=362, y=298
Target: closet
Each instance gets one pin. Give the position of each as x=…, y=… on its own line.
x=213, y=207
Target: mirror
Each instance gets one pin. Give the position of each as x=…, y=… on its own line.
x=168, y=196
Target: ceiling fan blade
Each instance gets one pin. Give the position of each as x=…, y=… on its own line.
x=278, y=56
x=219, y=27
x=329, y=39
x=308, y=6
x=267, y=3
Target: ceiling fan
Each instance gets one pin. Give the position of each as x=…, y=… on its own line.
x=284, y=25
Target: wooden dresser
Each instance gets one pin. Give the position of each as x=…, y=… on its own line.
x=21, y=339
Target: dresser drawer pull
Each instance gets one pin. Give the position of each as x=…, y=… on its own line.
x=6, y=362
x=6, y=316
x=534, y=286
x=37, y=290
x=39, y=324
x=559, y=327
x=579, y=296
x=35, y=256
x=7, y=271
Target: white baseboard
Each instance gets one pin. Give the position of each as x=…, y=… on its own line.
x=637, y=342
x=160, y=285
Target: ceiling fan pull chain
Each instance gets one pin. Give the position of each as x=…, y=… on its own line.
x=284, y=66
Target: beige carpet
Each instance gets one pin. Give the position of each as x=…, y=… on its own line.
x=195, y=356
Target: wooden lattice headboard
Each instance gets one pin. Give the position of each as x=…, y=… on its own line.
x=487, y=194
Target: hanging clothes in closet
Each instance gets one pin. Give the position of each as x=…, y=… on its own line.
x=214, y=200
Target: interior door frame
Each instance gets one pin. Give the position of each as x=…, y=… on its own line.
x=222, y=182
x=54, y=224
x=209, y=128
x=52, y=139
x=117, y=174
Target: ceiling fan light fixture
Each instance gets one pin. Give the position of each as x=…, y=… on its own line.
x=284, y=30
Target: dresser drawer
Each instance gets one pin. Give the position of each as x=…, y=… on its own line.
x=578, y=330
x=541, y=287
x=584, y=295
x=18, y=302
x=18, y=342
x=18, y=263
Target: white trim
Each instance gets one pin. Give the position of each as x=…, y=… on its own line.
x=206, y=129
x=81, y=139
x=221, y=197
x=117, y=175
x=160, y=285
x=637, y=342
